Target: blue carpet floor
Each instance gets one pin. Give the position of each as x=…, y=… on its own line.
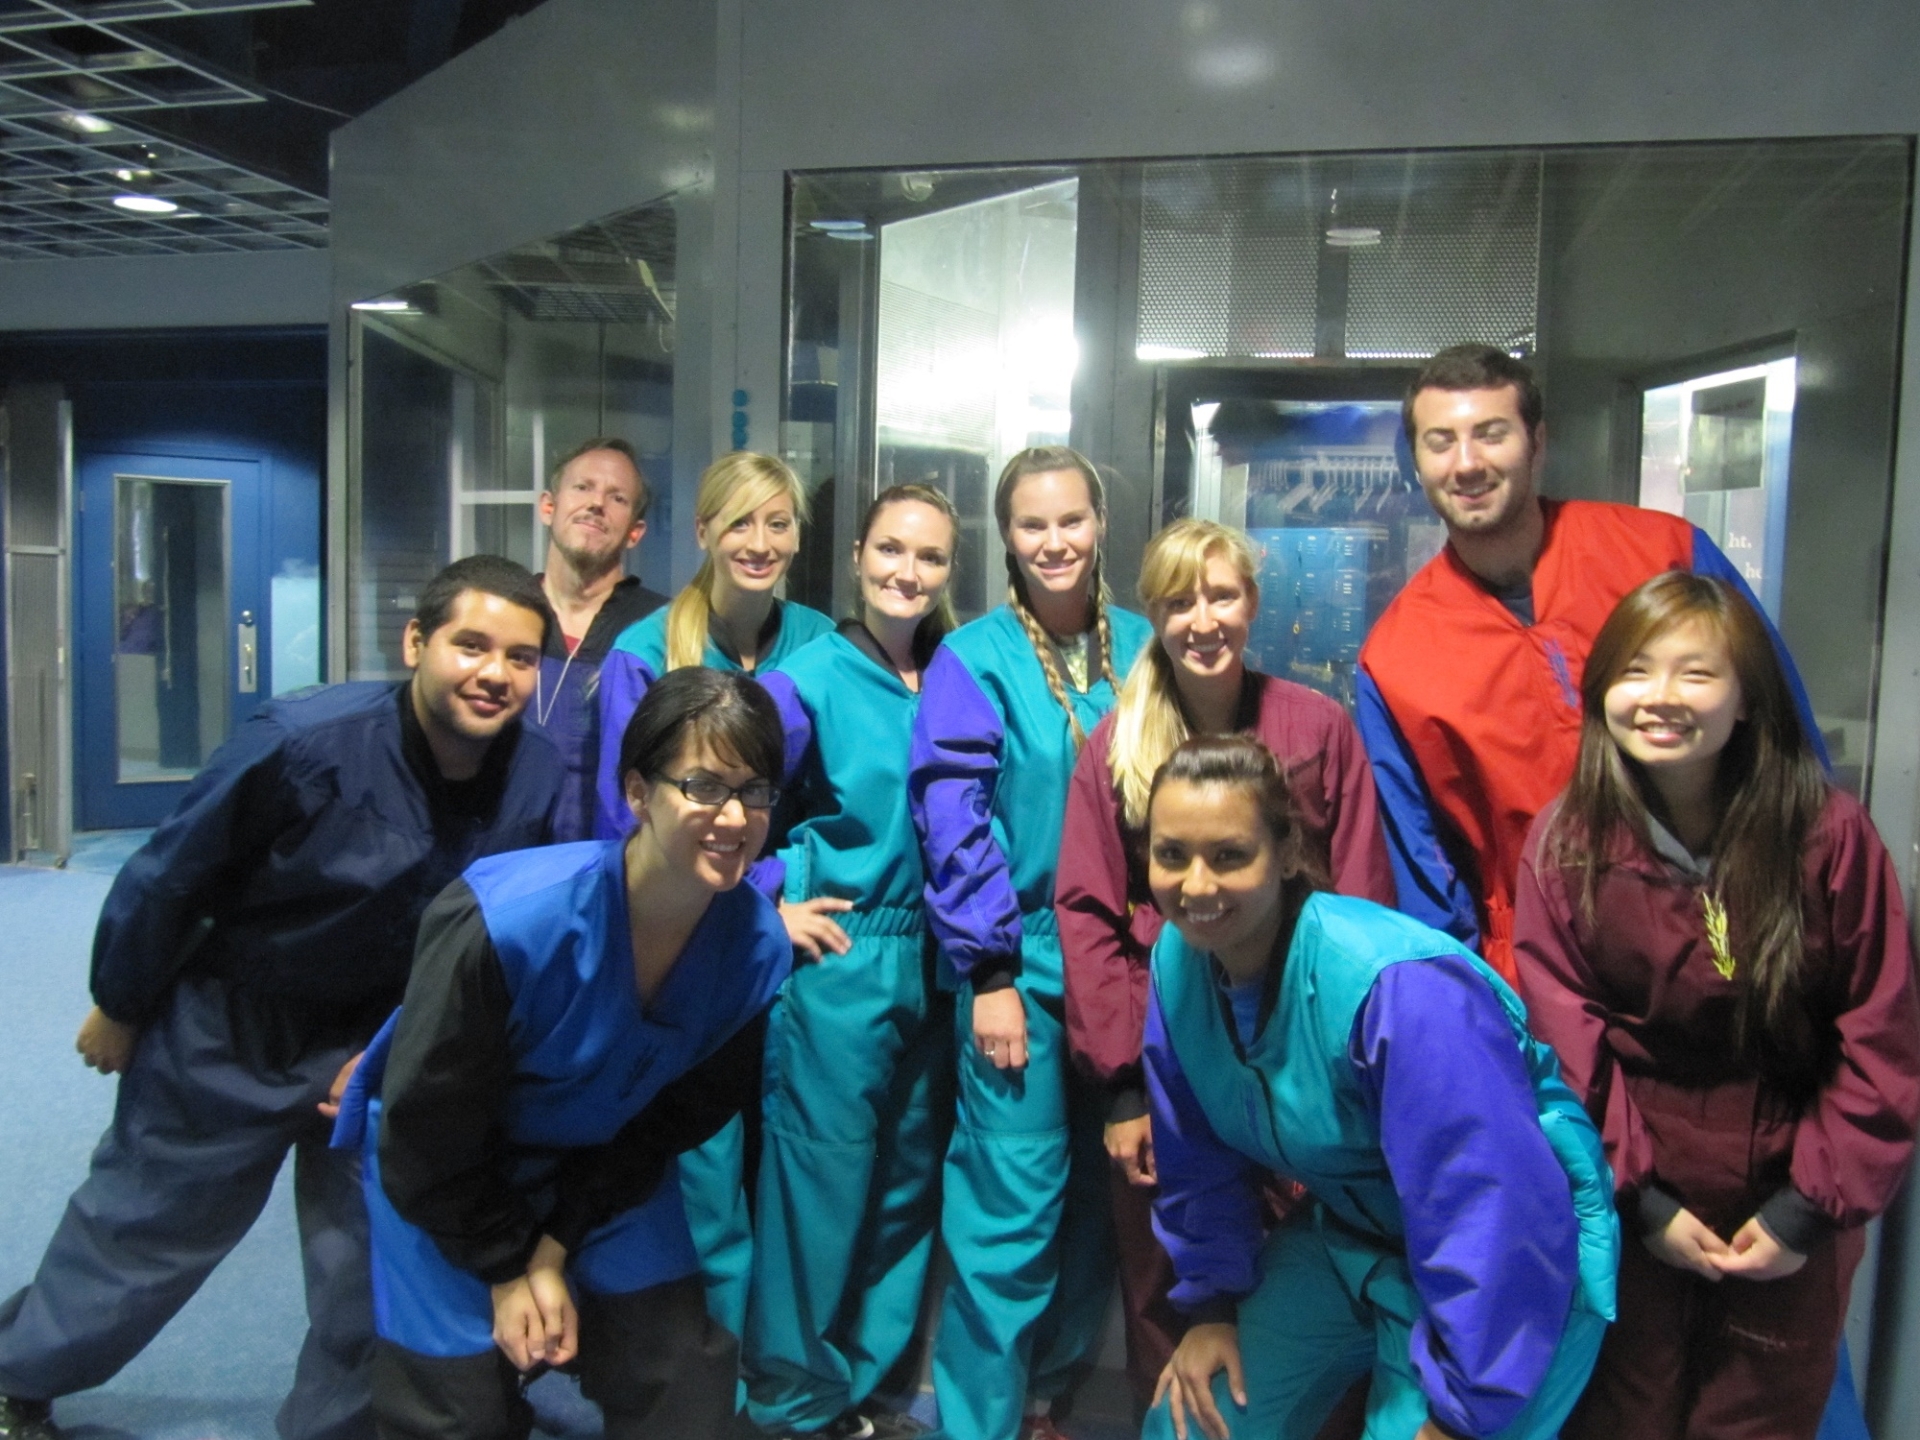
x=221, y=1369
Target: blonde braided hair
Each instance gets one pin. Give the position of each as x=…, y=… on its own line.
x=1037, y=460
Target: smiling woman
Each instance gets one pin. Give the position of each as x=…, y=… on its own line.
x=1396, y=1072
x=577, y=1017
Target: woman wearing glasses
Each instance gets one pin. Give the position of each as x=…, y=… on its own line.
x=576, y=1017
x=859, y=1094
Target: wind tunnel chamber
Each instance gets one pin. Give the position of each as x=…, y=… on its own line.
x=1233, y=335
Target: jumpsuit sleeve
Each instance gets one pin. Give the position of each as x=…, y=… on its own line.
x=1567, y=1008
x=160, y=902
x=1443, y=1077
x=768, y=874
x=954, y=768
x=1428, y=885
x=624, y=681
x=1710, y=560
x=1207, y=1209
x=1855, y=1142
x=1105, y=967
x=443, y=1139
x=1357, y=847
x=596, y=1183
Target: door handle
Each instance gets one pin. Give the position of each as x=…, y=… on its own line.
x=248, y=637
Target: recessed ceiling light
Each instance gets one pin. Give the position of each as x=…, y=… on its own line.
x=145, y=204
x=129, y=176
x=1352, y=237
x=386, y=307
x=86, y=124
x=832, y=225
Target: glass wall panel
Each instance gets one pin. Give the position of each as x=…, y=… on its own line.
x=1707, y=320
x=469, y=386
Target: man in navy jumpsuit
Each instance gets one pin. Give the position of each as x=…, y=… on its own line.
x=243, y=958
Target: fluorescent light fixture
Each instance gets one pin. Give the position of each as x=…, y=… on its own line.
x=86, y=124
x=1352, y=237
x=831, y=226
x=386, y=307
x=129, y=176
x=145, y=204
x=1167, y=352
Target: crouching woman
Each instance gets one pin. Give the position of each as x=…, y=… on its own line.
x=576, y=1017
x=1461, y=1245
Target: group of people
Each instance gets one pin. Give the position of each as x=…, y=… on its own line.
x=1520, y=1057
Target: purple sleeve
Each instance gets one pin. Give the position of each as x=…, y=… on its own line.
x=769, y=872
x=1492, y=1241
x=624, y=681
x=1710, y=560
x=954, y=769
x=1427, y=882
x=1207, y=1208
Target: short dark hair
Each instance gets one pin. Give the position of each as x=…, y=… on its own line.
x=619, y=447
x=1477, y=367
x=724, y=708
x=490, y=574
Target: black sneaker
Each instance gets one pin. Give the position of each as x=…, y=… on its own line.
x=27, y=1420
x=856, y=1425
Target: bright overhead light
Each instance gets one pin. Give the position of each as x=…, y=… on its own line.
x=386, y=307
x=1352, y=237
x=830, y=226
x=129, y=176
x=145, y=204
x=86, y=124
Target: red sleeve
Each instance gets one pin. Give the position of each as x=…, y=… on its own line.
x=1854, y=1144
x=1357, y=847
x=1104, y=962
x=1567, y=1008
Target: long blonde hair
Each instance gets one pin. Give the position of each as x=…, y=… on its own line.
x=1038, y=460
x=1148, y=723
x=731, y=488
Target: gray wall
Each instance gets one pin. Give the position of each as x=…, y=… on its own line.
x=579, y=109
x=565, y=115
x=168, y=292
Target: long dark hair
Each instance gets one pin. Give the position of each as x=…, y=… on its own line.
x=1768, y=792
x=723, y=708
x=1239, y=762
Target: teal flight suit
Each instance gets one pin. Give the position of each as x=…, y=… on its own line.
x=710, y=1177
x=1336, y=1293
x=859, y=1072
x=1026, y=1217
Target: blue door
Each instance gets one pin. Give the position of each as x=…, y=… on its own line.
x=170, y=630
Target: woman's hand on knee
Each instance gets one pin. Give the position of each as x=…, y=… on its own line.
x=534, y=1319
x=1000, y=1028
x=1187, y=1382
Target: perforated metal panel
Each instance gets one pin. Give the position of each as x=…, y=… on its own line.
x=1236, y=259
x=1458, y=258
x=1224, y=270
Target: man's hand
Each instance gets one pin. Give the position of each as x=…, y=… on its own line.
x=534, y=1320
x=1000, y=1028
x=1753, y=1254
x=1687, y=1244
x=330, y=1107
x=811, y=928
x=105, y=1044
x=1130, y=1146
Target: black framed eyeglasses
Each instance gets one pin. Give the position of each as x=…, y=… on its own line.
x=710, y=790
